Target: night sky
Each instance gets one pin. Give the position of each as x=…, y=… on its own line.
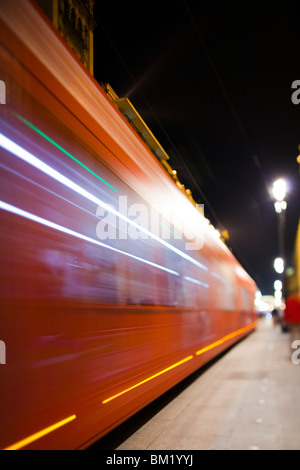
x=213, y=81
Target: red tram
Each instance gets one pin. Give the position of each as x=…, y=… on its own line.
x=102, y=310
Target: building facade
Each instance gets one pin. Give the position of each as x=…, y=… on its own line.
x=74, y=20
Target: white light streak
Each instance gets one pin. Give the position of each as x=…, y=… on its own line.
x=218, y=276
x=26, y=156
x=195, y=281
x=35, y=218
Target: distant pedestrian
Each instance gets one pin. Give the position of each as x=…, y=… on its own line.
x=275, y=316
x=292, y=316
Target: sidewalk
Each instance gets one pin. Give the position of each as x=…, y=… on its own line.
x=248, y=399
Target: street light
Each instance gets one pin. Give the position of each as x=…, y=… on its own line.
x=280, y=206
x=279, y=189
x=279, y=265
x=279, y=193
x=278, y=285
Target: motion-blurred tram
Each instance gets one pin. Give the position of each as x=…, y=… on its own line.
x=113, y=285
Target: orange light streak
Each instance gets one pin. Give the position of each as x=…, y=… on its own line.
x=28, y=440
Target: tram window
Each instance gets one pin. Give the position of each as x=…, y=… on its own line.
x=246, y=301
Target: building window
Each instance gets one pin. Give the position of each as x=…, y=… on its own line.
x=80, y=28
x=73, y=17
x=66, y=8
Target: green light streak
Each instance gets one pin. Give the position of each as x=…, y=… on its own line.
x=171, y=231
x=38, y=131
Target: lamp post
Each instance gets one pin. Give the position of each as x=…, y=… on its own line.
x=279, y=192
x=277, y=293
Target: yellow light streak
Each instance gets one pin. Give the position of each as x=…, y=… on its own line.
x=28, y=440
x=226, y=338
x=210, y=346
x=33, y=437
x=148, y=379
x=201, y=351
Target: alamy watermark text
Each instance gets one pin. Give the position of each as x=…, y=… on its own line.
x=2, y=92
x=296, y=94
x=2, y=352
x=139, y=221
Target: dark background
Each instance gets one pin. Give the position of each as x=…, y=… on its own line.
x=212, y=80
